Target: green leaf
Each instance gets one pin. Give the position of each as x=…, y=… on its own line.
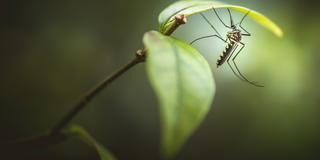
x=87, y=138
x=184, y=85
x=188, y=8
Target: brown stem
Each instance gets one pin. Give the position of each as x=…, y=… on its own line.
x=140, y=57
x=179, y=20
x=39, y=141
x=56, y=135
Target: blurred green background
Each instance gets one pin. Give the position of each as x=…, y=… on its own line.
x=53, y=51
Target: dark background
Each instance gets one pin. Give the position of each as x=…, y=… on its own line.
x=53, y=51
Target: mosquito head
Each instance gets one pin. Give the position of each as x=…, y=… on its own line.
x=234, y=27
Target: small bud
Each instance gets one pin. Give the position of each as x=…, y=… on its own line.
x=181, y=19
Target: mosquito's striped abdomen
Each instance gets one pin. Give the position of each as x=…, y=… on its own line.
x=225, y=54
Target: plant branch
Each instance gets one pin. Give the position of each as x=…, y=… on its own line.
x=30, y=143
x=140, y=57
x=56, y=135
x=179, y=20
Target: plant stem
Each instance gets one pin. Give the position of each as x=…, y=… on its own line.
x=56, y=135
x=179, y=20
x=140, y=57
x=38, y=141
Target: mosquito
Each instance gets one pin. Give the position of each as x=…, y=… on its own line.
x=233, y=40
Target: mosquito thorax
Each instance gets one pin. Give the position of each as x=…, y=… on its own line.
x=234, y=35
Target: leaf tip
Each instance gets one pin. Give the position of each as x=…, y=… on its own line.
x=279, y=33
x=276, y=30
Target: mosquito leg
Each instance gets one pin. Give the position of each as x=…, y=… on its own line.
x=231, y=20
x=234, y=72
x=233, y=60
x=206, y=19
x=204, y=37
x=244, y=17
x=247, y=33
x=233, y=50
x=220, y=18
